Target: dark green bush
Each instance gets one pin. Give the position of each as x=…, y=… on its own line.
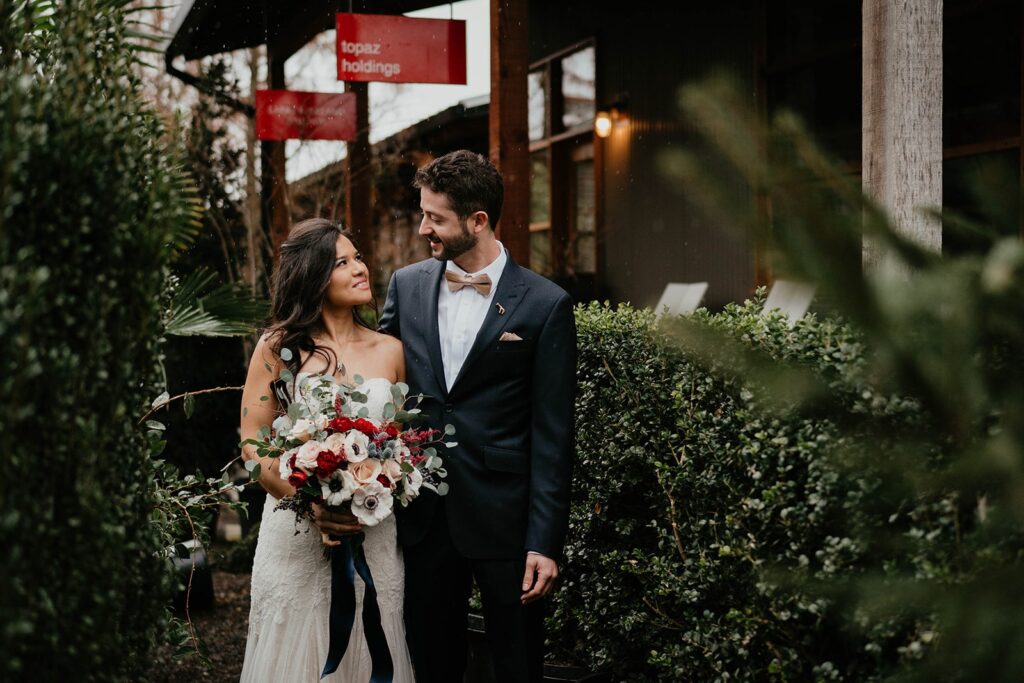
x=91, y=201
x=707, y=510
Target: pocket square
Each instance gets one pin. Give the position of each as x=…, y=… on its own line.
x=510, y=336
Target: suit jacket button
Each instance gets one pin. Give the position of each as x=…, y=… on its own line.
x=448, y=407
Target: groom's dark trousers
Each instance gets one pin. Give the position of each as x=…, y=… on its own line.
x=512, y=408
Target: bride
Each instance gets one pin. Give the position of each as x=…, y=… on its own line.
x=318, y=286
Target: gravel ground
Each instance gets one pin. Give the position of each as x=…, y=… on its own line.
x=223, y=629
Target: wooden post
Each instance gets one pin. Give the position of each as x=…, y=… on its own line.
x=902, y=115
x=509, y=139
x=274, y=186
x=358, y=179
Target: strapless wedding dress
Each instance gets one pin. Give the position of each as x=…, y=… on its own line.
x=291, y=595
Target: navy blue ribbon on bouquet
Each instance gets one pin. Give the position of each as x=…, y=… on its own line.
x=347, y=560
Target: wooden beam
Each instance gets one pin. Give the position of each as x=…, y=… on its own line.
x=902, y=115
x=509, y=139
x=762, y=263
x=274, y=186
x=358, y=177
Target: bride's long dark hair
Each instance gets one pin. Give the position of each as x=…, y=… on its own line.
x=298, y=286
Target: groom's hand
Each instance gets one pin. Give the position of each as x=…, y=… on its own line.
x=539, y=579
x=334, y=524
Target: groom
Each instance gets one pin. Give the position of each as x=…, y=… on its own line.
x=492, y=346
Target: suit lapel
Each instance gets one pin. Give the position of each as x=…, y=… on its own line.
x=510, y=292
x=432, y=286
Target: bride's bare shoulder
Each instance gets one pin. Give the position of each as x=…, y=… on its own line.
x=386, y=343
x=389, y=348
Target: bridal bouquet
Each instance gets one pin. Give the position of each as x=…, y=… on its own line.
x=334, y=454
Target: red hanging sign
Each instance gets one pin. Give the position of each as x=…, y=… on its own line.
x=396, y=49
x=293, y=115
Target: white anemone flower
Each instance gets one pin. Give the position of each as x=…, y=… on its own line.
x=372, y=503
x=413, y=482
x=284, y=463
x=356, y=446
x=338, y=489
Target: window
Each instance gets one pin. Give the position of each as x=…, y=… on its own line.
x=561, y=106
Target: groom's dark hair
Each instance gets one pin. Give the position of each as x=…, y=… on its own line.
x=470, y=182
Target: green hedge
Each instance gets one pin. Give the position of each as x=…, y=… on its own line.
x=89, y=204
x=706, y=521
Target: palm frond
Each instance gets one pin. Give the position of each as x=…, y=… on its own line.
x=221, y=311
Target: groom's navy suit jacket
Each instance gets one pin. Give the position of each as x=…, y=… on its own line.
x=512, y=408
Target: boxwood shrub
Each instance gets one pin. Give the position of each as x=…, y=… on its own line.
x=90, y=202
x=710, y=524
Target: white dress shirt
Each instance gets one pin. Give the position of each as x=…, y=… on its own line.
x=460, y=315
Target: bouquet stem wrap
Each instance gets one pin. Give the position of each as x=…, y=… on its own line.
x=348, y=559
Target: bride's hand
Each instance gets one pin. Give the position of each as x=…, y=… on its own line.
x=334, y=524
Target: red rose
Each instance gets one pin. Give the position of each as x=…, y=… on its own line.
x=327, y=463
x=297, y=478
x=392, y=430
x=384, y=481
x=366, y=427
x=339, y=424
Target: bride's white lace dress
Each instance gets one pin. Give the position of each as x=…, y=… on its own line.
x=291, y=596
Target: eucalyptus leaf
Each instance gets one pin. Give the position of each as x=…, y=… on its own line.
x=153, y=424
x=189, y=406
x=449, y=429
x=286, y=354
x=442, y=489
x=161, y=400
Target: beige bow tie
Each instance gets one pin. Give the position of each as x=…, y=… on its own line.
x=481, y=283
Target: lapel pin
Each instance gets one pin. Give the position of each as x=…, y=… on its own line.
x=501, y=309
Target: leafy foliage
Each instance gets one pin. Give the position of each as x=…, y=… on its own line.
x=712, y=510
x=831, y=502
x=91, y=195
x=944, y=330
x=197, y=309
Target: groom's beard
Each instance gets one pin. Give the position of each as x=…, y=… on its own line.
x=454, y=247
